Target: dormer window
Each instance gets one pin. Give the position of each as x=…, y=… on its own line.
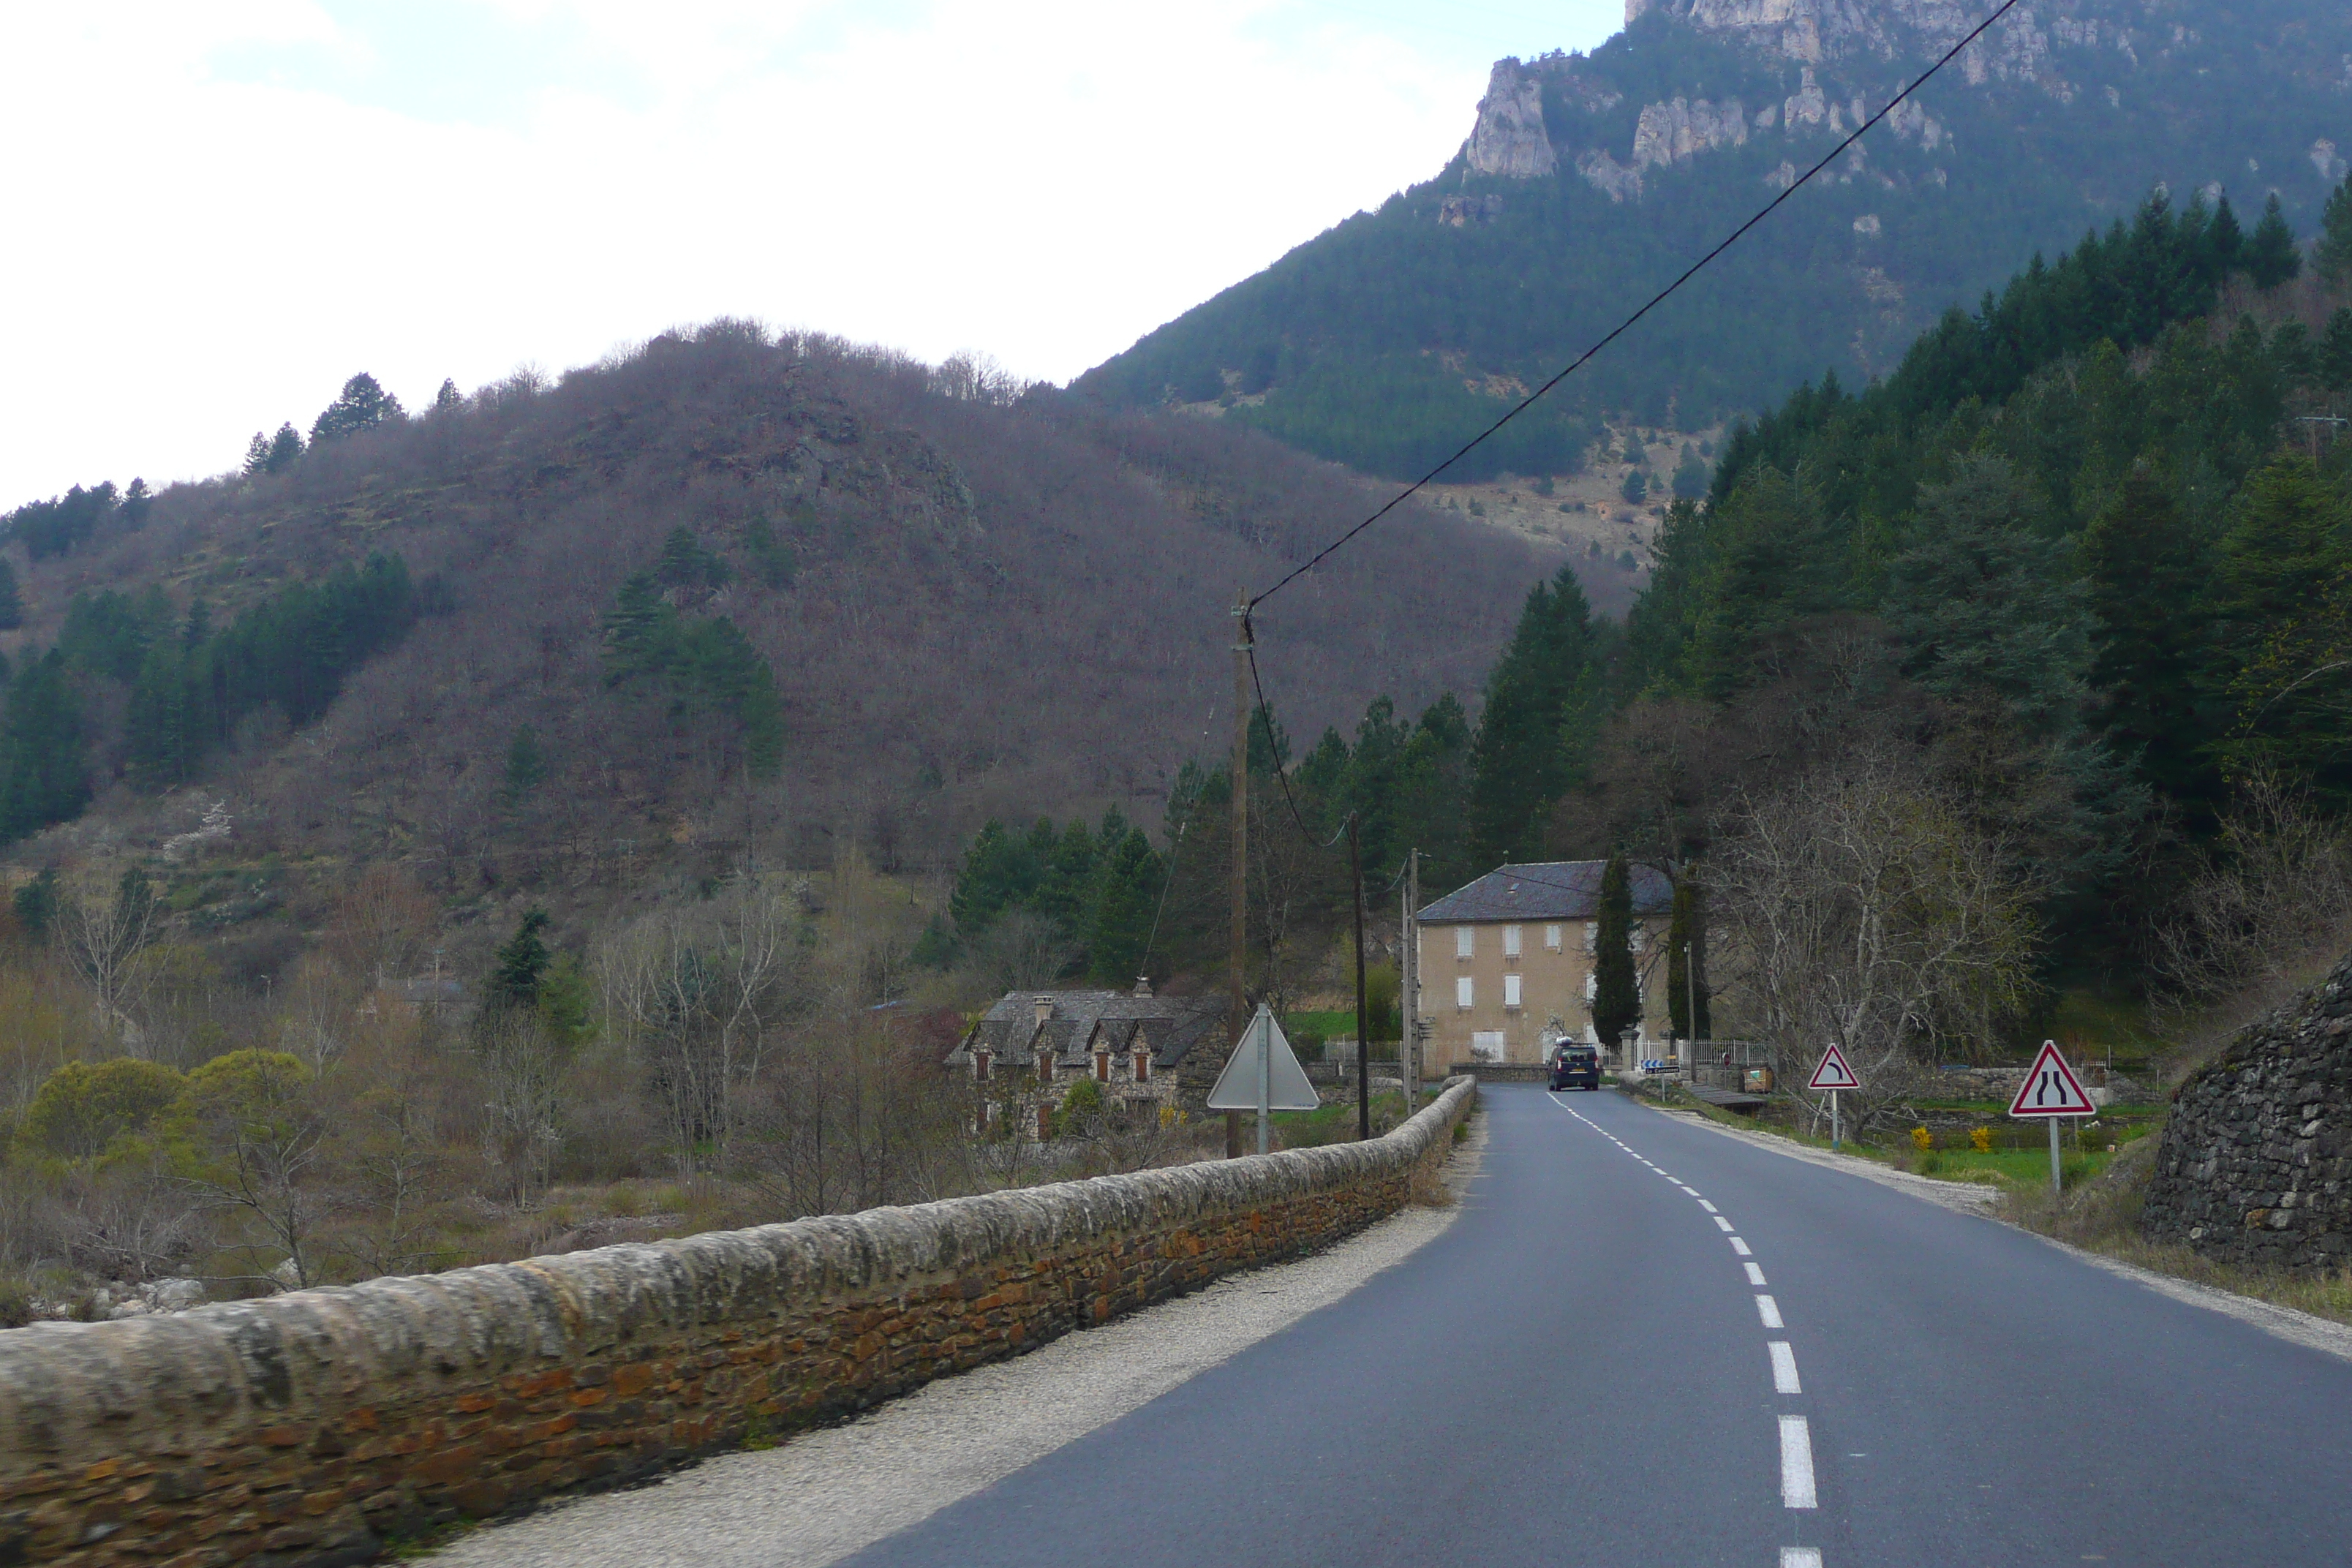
x=1046, y=1067
x=1143, y=1067
x=980, y=1057
x=1102, y=1067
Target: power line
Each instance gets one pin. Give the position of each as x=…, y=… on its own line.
x=1655, y=301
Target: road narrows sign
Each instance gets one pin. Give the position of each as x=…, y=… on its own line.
x=2051, y=1088
x=1833, y=1072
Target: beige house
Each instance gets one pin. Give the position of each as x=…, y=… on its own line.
x=1505, y=964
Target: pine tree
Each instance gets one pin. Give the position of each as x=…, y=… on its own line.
x=362, y=405
x=36, y=903
x=1687, y=947
x=2336, y=236
x=2335, y=351
x=2147, y=572
x=448, y=399
x=163, y=744
x=520, y=965
x=2271, y=255
x=1616, y=997
x=44, y=774
x=2224, y=243
x=285, y=449
x=257, y=454
x=1540, y=701
x=1127, y=895
x=526, y=766
x=12, y=601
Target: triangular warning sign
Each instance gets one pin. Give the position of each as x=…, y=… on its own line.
x=2051, y=1088
x=1284, y=1080
x=1834, y=1073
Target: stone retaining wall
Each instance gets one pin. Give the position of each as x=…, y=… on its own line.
x=2255, y=1164
x=314, y=1427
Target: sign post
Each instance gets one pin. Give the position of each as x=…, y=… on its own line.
x=2052, y=1091
x=1263, y=1076
x=1834, y=1075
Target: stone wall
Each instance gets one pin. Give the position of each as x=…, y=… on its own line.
x=317, y=1426
x=2255, y=1164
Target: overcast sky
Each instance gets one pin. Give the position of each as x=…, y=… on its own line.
x=218, y=209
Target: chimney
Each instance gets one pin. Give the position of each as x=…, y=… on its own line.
x=1143, y=985
x=1045, y=1010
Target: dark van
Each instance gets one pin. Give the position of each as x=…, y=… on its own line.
x=1576, y=1066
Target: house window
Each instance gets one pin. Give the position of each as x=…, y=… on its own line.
x=1592, y=936
x=1510, y=942
x=1511, y=992
x=1463, y=937
x=1045, y=1125
x=1551, y=938
x=1591, y=986
x=1102, y=1067
x=1462, y=992
x=1045, y=1066
x=1143, y=1067
x=1487, y=1044
x=980, y=1060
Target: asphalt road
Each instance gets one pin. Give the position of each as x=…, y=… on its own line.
x=1643, y=1342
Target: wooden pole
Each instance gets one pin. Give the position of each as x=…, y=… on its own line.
x=1239, y=914
x=1408, y=984
x=1363, y=1021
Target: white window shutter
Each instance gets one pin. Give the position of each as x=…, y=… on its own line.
x=1463, y=937
x=1510, y=942
x=1510, y=990
x=1462, y=992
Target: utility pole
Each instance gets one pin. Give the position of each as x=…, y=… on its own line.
x=1363, y=1021
x=1240, y=797
x=1408, y=985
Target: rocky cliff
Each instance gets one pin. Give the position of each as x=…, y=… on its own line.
x=2255, y=1166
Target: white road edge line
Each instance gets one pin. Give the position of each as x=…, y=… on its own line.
x=1769, y=1311
x=1784, y=1368
x=1755, y=1275
x=1801, y=1557
x=1795, y=1464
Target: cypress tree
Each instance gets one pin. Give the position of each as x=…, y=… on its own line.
x=1616, y=997
x=1687, y=947
x=2271, y=256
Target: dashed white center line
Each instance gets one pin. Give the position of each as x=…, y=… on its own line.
x=1755, y=1275
x=1740, y=1247
x=1722, y=1224
x=1692, y=1191
x=1795, y=1464
x=1769, y=1311
x=1784, y=1368
x=1705, y=1204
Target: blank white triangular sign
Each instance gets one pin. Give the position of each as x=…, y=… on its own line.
x=1286, y=1080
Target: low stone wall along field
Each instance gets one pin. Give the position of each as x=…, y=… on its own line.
x=320, y=1426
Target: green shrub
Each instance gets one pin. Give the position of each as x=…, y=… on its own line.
x=85, y=1106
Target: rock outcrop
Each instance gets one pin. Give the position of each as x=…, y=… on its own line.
x=1510, y=140
x=1672, y=133
x=2255, y=1166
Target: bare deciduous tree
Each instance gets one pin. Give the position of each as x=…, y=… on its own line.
x=1857, y=905
x=104, y=940
x=2275, y=890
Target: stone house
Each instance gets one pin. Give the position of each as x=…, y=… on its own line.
x=1146, y=1053
x=1506, y=963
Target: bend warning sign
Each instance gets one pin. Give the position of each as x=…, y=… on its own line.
x=2051, y=1088
x=1834, y=1073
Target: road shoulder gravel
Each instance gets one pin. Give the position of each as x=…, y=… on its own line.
x=825, y=1494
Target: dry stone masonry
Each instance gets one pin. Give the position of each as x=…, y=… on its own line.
x=2255, y=1167
x=319, y=1426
